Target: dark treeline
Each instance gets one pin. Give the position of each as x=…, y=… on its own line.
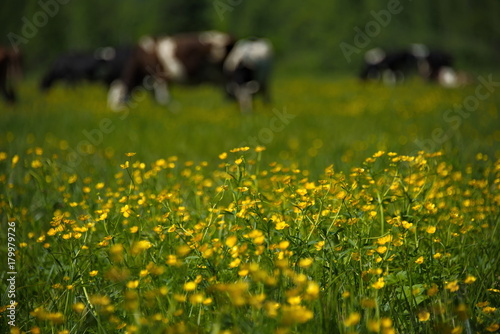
x=316, y=35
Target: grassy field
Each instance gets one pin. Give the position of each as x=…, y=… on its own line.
x=340, y=208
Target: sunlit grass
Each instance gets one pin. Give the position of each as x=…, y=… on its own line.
x=333, y=221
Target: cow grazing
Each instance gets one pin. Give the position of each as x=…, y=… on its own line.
x=101, y=65
x=247, y=69
x=435, y=66
x=393, y=67
x=112, y=62
x=190, y=58
x=390, y=67
x=10, y=70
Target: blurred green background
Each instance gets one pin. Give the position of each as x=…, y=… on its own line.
x=307, y=35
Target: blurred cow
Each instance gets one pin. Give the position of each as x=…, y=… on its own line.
x=10, y=70
x=390, y=67
x=102, y=65
x=393, y=67
x=248, y=68
x=435, y=66
x=190, y=58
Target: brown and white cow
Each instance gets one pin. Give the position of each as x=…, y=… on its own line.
x=190, y=58
x=10, y=71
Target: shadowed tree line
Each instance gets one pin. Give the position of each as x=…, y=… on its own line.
x=316, y=35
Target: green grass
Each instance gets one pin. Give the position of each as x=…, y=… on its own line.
x=344, y=223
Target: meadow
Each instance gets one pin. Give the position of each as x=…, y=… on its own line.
x=340, y=208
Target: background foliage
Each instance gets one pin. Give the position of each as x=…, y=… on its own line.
x=306, y=35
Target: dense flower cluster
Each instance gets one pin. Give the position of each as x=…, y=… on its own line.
x=400, y=244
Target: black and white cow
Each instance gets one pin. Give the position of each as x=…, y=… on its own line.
x=393, y=67
x=248, y=68
x=101, y=65
x=435, y=66
x=189, y=58
x=10, y=70
x=389, y=67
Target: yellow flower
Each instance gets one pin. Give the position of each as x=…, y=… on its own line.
x=125, y=210
x=312, y=290
x=305, y=263
x=293, y=314
x=431, y=229
x=379, y=284
x=15, y=160
x=423, y=316
x=420, y=260
x=301, y=191
x=36, y=164
x=78, y=307
x=93, y=273
x=172, y=260
x=433, y=290
x=271, y=308
x=352, y=320
x=384, y=240
x=190, y=286
x=132, y=284
x=223, y=156
x=406, y=225
x=130, y=154
x=493, y=327
x=280, y=225
x=116, y=252
x=239, y=149
x=295, y=300
x=489, y=309
x=235, y=263
x=469, y=279
x=452, y=286
x=319, y=245
x=381, y=249
x=260, y=149
x=386, y=322
x=183, y=250
x=284, y=244
x=196, y=298
x=140, y=246
x=180, y=298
